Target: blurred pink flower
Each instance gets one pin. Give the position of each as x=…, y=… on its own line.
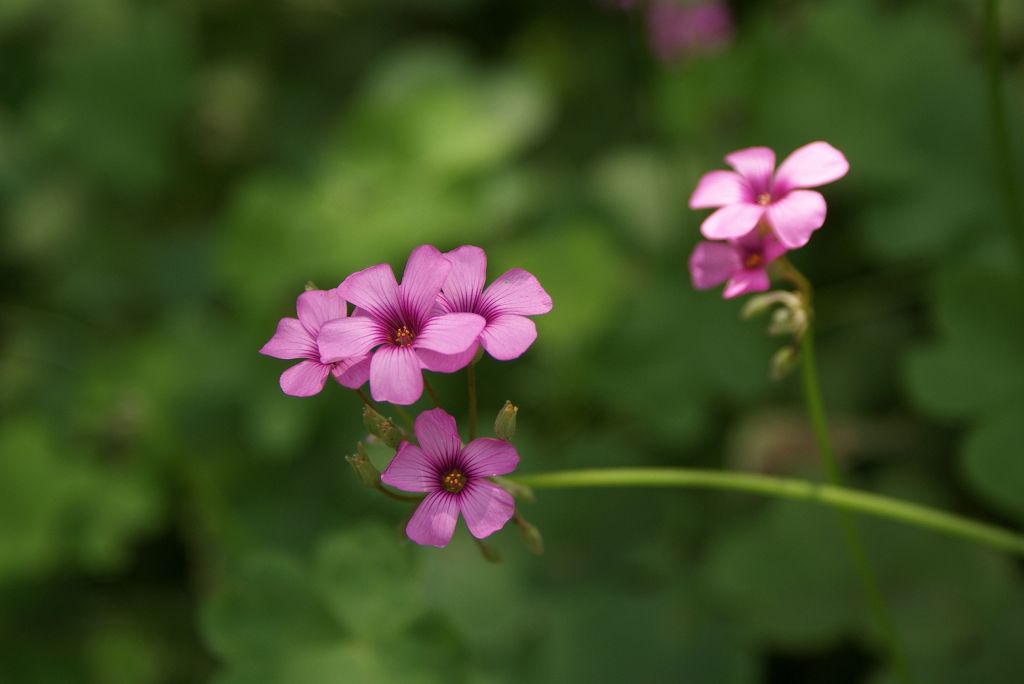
x=756, y=191
x=676, y=30
x=401, y=326
x=296, y=338
x=505, y=304
x=743, y=262
x=454, y=478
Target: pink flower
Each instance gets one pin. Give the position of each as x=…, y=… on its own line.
x=400, y=325
x=742, y=262
x=505, y=304
x=454, y=478
x=676, y=31
x=296, y=338
x=756, y=191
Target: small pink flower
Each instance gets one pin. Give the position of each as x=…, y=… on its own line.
x=677, y=31
x=400, y=325
x=454, y=478
x=296, y=338
x=742, y=262
x=756, y=191
x=505, y=304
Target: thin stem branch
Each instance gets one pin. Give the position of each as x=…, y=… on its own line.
x=832, y=496
x=406, y=418
x=408, y=498
x=431, y=392
x=851, y=530
x=1003, y=148
x=364, y=398
x=471, y=382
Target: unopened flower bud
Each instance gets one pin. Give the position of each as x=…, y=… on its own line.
x=531, y=536
x=489, y=553
x=505, y=423
x=382, y=428
x=310, y=285
x=520, y=491
x=367, y=472
x=783, y=362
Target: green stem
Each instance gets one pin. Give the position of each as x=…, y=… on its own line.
x=851, y=530
x=431, y=392
x=404, y=415
x=1007, y=173
x=471, y=382
x=784, y=488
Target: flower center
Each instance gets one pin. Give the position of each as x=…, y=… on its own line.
x=453, y=481
x=753, y=260
x=403, y=336
x=764, y=199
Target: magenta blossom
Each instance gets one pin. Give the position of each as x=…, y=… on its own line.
x=454, y=479
x=677, y=31
x=296, y=338
x=742, y=262
x=505, y=304
x=401, y=326
x=756, y=191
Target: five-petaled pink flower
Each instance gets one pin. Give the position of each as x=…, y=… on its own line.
x=756, y=191
x=505, y=304
x=454, y=479
x=742, y=262
x=401, y=326
x=296, y=338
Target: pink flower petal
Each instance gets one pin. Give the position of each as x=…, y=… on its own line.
x=425, y=273
x=466, y=279
x=373, y=289
x=438, y=436
x=304, y=379
x=395, y=375
x=433, y=523
x=486, y=457
x=316, y=307
x=797, y=215
x=447, y=363
x=810, y=166
x=747, y=280
x=718, y=188
x=506, y=337
x=756, y=165
x=515, y=292
x=410, y=470
x=291, y=341
x=486, y=508
x=772, y=248
x=349, y=338
x=712, y=263
x=352, y=373
x=450, y=333
x=732, y=221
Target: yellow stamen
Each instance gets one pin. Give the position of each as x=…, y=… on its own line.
x=453, y=481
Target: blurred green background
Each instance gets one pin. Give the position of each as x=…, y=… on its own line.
x=172, y=173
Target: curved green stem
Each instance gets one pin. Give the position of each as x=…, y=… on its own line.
x=431, y=392
x=1003, y=149
x=832, y=496
x=851, y=530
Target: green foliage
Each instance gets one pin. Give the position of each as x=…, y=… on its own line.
x=172, y=173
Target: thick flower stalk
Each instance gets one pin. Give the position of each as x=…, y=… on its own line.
x=298, y=338
x=454, y=478
x=401, y=327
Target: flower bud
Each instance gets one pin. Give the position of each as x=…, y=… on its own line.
x=783, y=362
x=531, y=536
x=382, y=428
x=489, y=553
x=505, y=423
x=367, y=472
x=520, y=491
x=310, y=285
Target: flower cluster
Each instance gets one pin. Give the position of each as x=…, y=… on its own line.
x=761, y=212
x=440, y=318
